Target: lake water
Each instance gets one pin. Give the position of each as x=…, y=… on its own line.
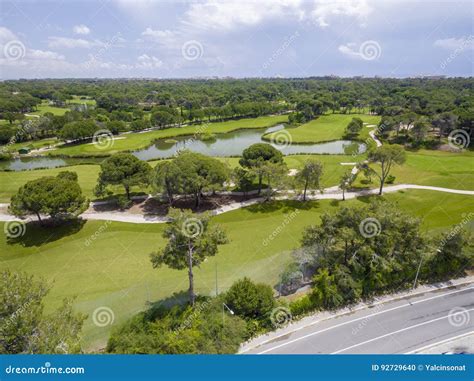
x=26, y=163
x=233, y=143
x=228, y=144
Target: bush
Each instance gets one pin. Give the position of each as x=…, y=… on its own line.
x=180, y=330
x=390, y=179
x=250, y=300
x=123, y=202
x=302, y=306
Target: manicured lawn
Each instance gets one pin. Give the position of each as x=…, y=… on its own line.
x=135, y=141
x=76, y=99
x=328, y=127
x=444, y=169
x=434, y=168
x=45, y=107
x=113, y=269
x=11, y=181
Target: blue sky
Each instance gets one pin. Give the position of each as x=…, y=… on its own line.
x=205, y=38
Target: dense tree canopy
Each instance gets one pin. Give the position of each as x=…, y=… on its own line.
x=59, y=196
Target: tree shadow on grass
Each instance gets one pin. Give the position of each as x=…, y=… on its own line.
x=36, y=234
x=157, y=308
x=282, y=205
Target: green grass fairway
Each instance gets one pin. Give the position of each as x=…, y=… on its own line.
x=135, y=141
x=76, y=99
x=328, y=127
x=11, y=181
x=437, y=168
x=113, y=269
x=434, y=168
x=43, y=108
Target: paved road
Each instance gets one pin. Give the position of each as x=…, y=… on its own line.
x=395, y=327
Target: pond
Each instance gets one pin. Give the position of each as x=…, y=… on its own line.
x=227, y=144
x=233, y=143
x=27, y=163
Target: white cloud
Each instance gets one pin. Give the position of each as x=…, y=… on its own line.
x=81, y=29
x=70, y=43
x=348, y=50
x=325, y=9
x=6, y=35
x=162, y=37
x=463, y=43
x=43, y=55
x=157, y=33
x=148, y=62
x=227, y=15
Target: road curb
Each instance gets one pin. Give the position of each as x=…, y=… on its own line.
x=454, y=283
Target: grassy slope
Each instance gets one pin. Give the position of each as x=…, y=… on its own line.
x=114, y=269
x=328, y=127
x=135, y=141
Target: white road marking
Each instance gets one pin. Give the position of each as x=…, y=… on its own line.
x=400, y=330
x=440, y=342
x=362, y=318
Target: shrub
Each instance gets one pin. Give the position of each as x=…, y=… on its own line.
x=302, y=306
x=250, y=300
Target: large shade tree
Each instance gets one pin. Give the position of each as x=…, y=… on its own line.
x=58, y=196
x=255, y=157
x=123, y=169
x=199, y=173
